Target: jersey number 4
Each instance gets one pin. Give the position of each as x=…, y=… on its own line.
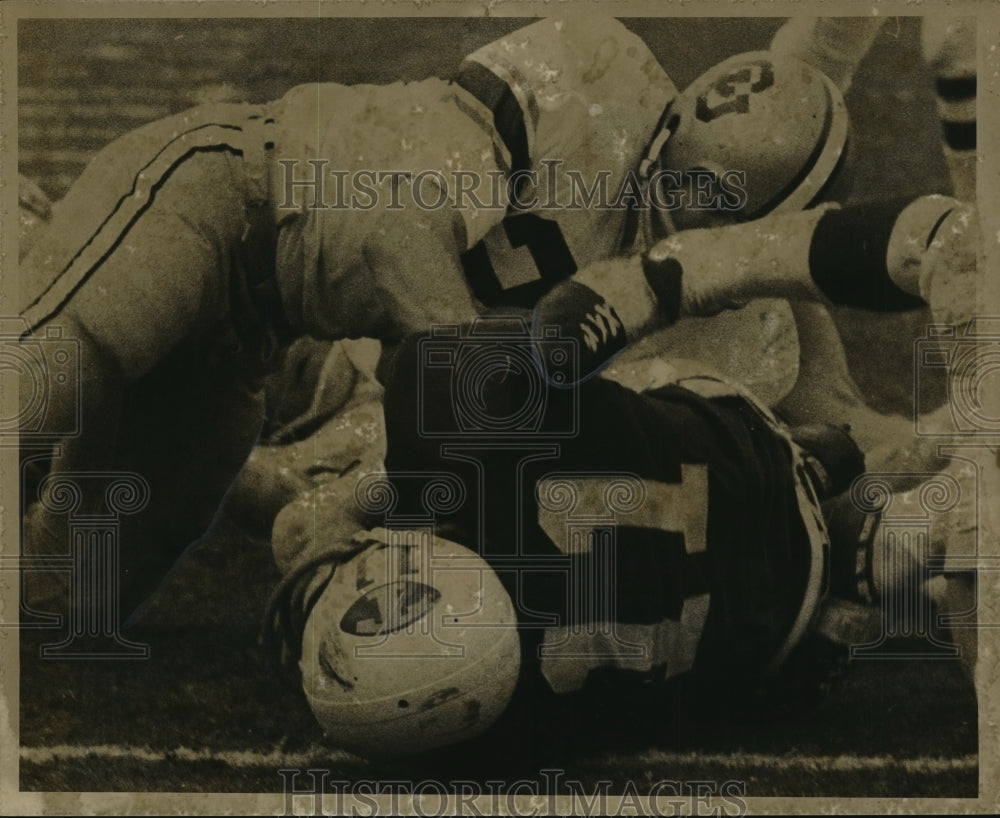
x=518, y=261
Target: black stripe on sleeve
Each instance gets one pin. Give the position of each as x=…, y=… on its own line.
x=847, y=257
x=956, y=89
x=960, y=136
x=508, y=118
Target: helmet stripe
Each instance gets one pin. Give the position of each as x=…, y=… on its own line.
x=804, y=188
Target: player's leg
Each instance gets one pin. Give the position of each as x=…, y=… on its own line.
x=187, y=433
x=834, y=45
x=949, y=45
x=135, y=261
x=824, y=392
x=142, y=288
x=186, y=440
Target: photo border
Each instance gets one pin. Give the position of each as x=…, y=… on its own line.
x=12, y=801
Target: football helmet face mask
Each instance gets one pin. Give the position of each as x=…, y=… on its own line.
x=756, y=134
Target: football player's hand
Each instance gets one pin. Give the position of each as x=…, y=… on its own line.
x=275, y=475
x=313, y=380
x=604, y=307
x=690, y=277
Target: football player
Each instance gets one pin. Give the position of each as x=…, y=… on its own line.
x=837, y=45
x=880, y=255
x=194, y=248
x=678, y=534
x=191, y=249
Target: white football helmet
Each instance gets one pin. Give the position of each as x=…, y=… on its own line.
x=763, y=132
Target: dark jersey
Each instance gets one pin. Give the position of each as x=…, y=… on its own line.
x=654, y=532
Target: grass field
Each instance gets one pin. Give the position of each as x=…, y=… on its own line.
x=204, y=713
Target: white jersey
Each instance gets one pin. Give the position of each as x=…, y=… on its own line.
x=575, y=103
x=531, y=126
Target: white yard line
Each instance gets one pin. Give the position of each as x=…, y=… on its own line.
x=803, y=763
x=320, y=757
x=235, y=758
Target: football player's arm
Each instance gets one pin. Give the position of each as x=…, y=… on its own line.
x=604, y=307
x=878, y=255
